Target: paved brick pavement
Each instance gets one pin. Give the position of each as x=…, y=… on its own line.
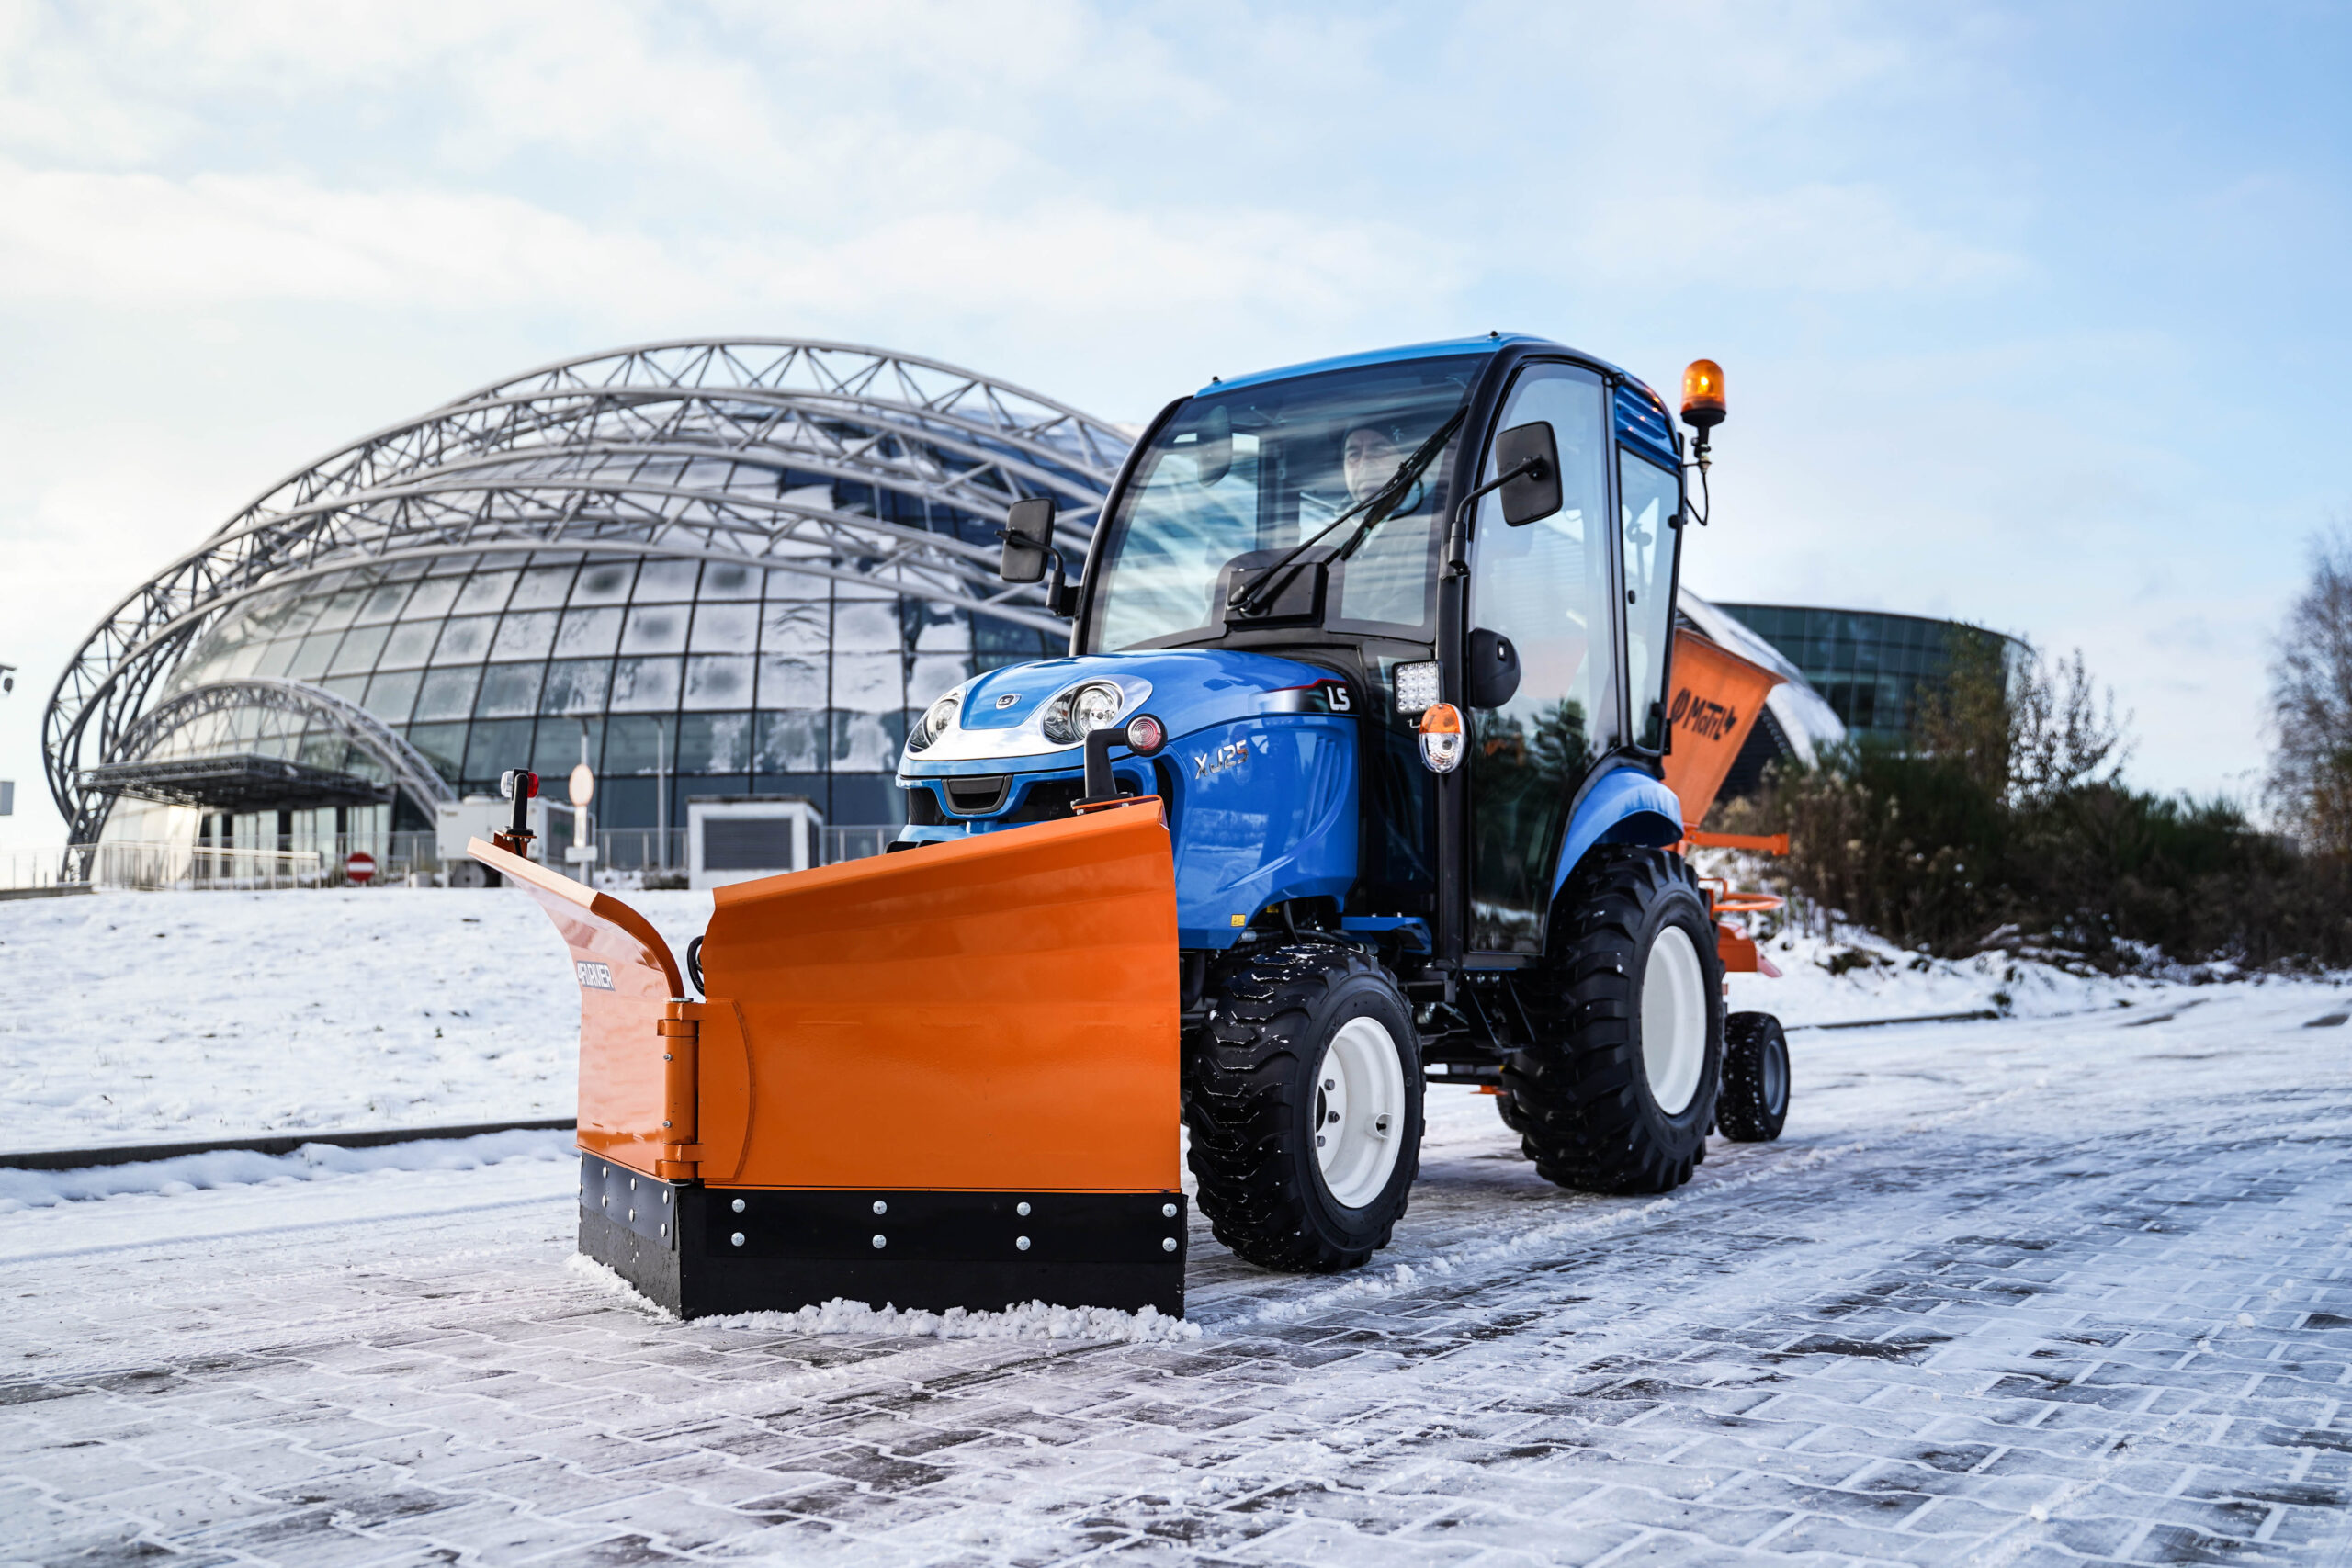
x=2006, y=1294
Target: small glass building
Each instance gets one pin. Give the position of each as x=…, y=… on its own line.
x=1871, y=666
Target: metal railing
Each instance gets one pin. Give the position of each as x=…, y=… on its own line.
x=632, y=856
x=855, y=843
x=164, y=866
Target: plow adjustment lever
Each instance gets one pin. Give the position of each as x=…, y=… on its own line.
x=519, y=785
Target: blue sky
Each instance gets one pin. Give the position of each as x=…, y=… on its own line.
x=2031, y=315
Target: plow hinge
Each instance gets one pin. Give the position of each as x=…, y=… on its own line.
x=680, y=1032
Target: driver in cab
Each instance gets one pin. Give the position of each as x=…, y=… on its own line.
x=1367, y=459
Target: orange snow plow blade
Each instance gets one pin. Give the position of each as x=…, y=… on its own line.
x=940, y=1078
x=995, y=1013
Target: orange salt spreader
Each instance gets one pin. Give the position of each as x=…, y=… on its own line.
x=895, y=1089
x=1718, y=695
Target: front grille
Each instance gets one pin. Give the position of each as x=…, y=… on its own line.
x=1049, y=800
x=977, y=796
x=922, y=807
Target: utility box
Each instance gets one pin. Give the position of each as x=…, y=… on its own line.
x=741, y=837
x=483, y=816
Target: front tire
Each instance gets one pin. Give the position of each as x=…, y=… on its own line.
x=1303, y=1098
x=1619, y=1089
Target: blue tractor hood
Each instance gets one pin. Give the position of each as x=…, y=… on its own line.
x=1259, y=772
x=999, y=722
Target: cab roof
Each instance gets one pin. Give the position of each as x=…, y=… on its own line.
x=1651, y=427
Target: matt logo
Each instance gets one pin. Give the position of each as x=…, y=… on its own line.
x=1712, y=719
x=594, y=976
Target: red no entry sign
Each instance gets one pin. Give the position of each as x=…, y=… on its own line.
x=359, y=867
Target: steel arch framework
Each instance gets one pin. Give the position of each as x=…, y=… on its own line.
x=675, y=449
x=313, y=707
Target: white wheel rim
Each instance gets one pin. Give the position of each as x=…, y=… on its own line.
x=1674, y=1019
x=1359, y=1110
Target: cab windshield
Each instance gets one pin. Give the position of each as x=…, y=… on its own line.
x=1262, y=468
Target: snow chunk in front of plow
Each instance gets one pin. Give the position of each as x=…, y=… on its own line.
x=1037, y=1320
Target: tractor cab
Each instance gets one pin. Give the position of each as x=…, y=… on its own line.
x=1482, y=532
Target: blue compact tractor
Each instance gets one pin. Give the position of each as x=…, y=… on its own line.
x=1390, y=637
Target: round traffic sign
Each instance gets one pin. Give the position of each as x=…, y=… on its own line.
x=583, y=784
x=359, y=867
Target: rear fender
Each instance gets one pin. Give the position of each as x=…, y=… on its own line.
x=1626, y=805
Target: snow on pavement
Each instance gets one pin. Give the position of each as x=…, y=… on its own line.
x=2021, y=1292
x=186, y=1016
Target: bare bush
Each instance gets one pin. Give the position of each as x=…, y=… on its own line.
x=2028, y=727
x=2311, y=704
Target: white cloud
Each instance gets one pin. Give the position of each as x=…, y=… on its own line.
x=1810, y=238
x=143, y=241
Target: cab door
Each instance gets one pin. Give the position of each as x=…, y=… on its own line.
x=1550, y=587
x=1649, y=535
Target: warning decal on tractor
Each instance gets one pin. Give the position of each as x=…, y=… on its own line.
x=594, y=977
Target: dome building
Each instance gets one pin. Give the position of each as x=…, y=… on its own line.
x=721, y=567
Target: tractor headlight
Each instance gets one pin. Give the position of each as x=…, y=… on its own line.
x=935, y=720
x=1079, y=711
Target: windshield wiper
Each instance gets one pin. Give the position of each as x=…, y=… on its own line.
x=1376, y=509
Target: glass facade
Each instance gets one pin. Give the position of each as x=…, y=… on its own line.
x=711, y=566
x=727, y=678
x=1870, y=665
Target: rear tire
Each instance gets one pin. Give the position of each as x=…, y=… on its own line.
x=1619, y=1089
x=1755, y=1101
x=1303, y=1098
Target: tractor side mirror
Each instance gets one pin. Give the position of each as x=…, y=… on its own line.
x=1028, y=540
x=1492, y=678
x=1530, y=455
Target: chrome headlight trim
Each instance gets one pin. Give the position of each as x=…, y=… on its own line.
x=1027, y=738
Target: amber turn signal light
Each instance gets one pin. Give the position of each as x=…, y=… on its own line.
x=1702, y=395
x=1441, y=738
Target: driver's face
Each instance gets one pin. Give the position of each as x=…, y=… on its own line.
x=1369, y=457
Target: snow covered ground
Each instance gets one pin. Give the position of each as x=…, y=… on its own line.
x=2011, y=1294
x=137, y=1017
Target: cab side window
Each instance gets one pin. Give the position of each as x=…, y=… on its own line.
x=1649, y=532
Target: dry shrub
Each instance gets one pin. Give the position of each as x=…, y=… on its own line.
x=2005, y=826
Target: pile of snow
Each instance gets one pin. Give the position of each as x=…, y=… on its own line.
x=1855, y=976
x=243, y=1167
x=1037, y=1320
